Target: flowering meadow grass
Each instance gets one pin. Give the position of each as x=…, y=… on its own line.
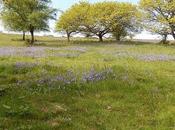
x=86, y=85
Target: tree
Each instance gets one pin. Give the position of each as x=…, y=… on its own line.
x=118, y=32
x=71, y=20
x=85, y=18
x=125, y=20
x=159, y=14
x=13, y=22
x=66, y=23
x=98, y=20
x=118, y=18
x=10, y=19
x=158, y=28
x=28, y=15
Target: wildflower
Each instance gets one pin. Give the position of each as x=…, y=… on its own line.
x=93, y=76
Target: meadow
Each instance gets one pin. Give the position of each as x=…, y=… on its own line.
x=86, y=85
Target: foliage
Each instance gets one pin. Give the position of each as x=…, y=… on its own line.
x=159, y=16
x=27, y=15
x=125, y=20
x=71, y=20
x=99, y=19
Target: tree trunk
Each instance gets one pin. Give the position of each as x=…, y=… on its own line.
x=24, y=36
x=100, y=38
x=32, y=36
x=117, y=38
x=164, y=38
x=173, y=32
x=68, y=36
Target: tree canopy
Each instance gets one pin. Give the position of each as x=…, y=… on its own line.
x=125, y=20
x=118, y=19
x=98, y=19
x=27, y=15
x=71, y=20
x=159, y=16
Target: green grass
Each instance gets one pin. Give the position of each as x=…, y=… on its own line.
x=141, y=95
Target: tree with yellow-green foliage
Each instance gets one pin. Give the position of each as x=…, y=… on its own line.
x=159, y=16
x=118, y=18
x=98, y=19
x=124, y=20
x=71, y=20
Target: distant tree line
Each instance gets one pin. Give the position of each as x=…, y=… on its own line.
x=119, y=19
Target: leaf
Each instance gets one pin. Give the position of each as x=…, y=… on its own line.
x=6, y=106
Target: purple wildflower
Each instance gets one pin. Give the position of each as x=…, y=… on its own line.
x=93, y=76
x=156, y=57
x=22, y=65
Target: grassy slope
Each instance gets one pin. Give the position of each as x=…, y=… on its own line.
x=141, y=97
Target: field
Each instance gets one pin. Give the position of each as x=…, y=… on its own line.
x=86, y=85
